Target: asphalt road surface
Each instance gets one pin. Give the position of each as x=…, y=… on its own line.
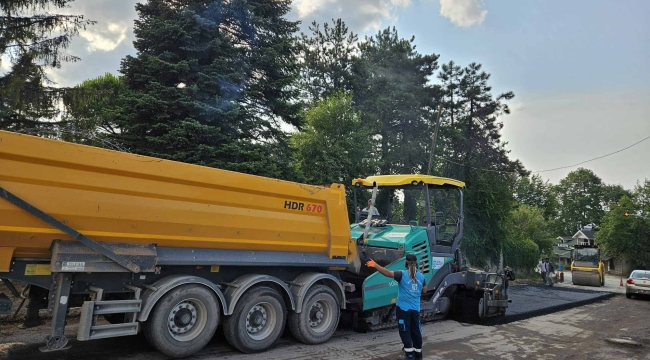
x=445, y=339
x=530, y=301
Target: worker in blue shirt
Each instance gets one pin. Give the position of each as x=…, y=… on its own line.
x=411, y=286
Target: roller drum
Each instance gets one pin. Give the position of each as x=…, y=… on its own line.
x=586, y=278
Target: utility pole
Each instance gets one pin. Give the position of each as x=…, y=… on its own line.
x=433, y=140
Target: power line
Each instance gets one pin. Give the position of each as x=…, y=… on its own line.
x=554, y=169
x=489, y=170
x=597, y=158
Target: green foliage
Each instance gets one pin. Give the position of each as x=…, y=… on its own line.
x=34, y=40
x=210, y=85
x=334, y=146
x=328, y=56
x=534, y=191
x=393, y=92
x=470, y=142
x=470, y=135
x=628, y=236
x=520, y=253
x=528, y=222
x=580, y=196
x=89, y=111
x=451, y=97
x=613, y=193
x=487, y=205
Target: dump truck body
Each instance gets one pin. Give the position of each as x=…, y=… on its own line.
x=117, y=197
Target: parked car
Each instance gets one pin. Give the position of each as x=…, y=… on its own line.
x=638, y=283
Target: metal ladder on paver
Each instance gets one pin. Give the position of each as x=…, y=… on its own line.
x=88, y=328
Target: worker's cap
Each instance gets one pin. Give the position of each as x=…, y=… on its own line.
x=411, y=257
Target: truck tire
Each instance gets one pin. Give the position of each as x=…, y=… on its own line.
x=319, y=318
x=183, y=321
x=257, y=321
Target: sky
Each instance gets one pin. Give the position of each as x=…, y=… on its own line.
x=580, y=69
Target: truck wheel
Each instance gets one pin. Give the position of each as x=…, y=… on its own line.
x=257, y=322
x=481, y=308
x=183, y=321
x=319, y=317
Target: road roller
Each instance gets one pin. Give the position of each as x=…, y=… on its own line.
x=587, y=268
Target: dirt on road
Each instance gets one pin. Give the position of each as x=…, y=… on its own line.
x=579, y=333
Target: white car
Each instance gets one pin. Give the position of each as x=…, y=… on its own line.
x=638, y=283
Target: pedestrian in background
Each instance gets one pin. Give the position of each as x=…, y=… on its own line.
x=550, y=269
x=410, y=288
x=544, y=270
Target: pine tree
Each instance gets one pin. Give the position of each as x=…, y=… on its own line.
x=482, y=138
x=475, y=153
x=450, y=75
x=328, y=57
x=393, y=92
x=34, y=40
x=452, y=104
x=211, y=83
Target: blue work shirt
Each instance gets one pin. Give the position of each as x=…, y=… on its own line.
x=408, y=295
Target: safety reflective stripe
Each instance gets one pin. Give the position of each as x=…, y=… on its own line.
x=409, y=349
x=418, y=350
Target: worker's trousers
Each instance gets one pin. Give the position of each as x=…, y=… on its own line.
x=410, y=332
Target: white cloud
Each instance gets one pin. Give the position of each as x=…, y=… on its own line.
x=463, y=13
x=402, y=3
x=307, y=7
x=516, y=107
x=359, y=15
x=105, y=37
x=5, y=64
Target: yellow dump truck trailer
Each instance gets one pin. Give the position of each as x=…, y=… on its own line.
x=123, y=198
x=174, y=250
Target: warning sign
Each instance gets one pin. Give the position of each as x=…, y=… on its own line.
x=37, y=269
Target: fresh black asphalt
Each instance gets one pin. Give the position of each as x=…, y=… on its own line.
x=529, y=301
